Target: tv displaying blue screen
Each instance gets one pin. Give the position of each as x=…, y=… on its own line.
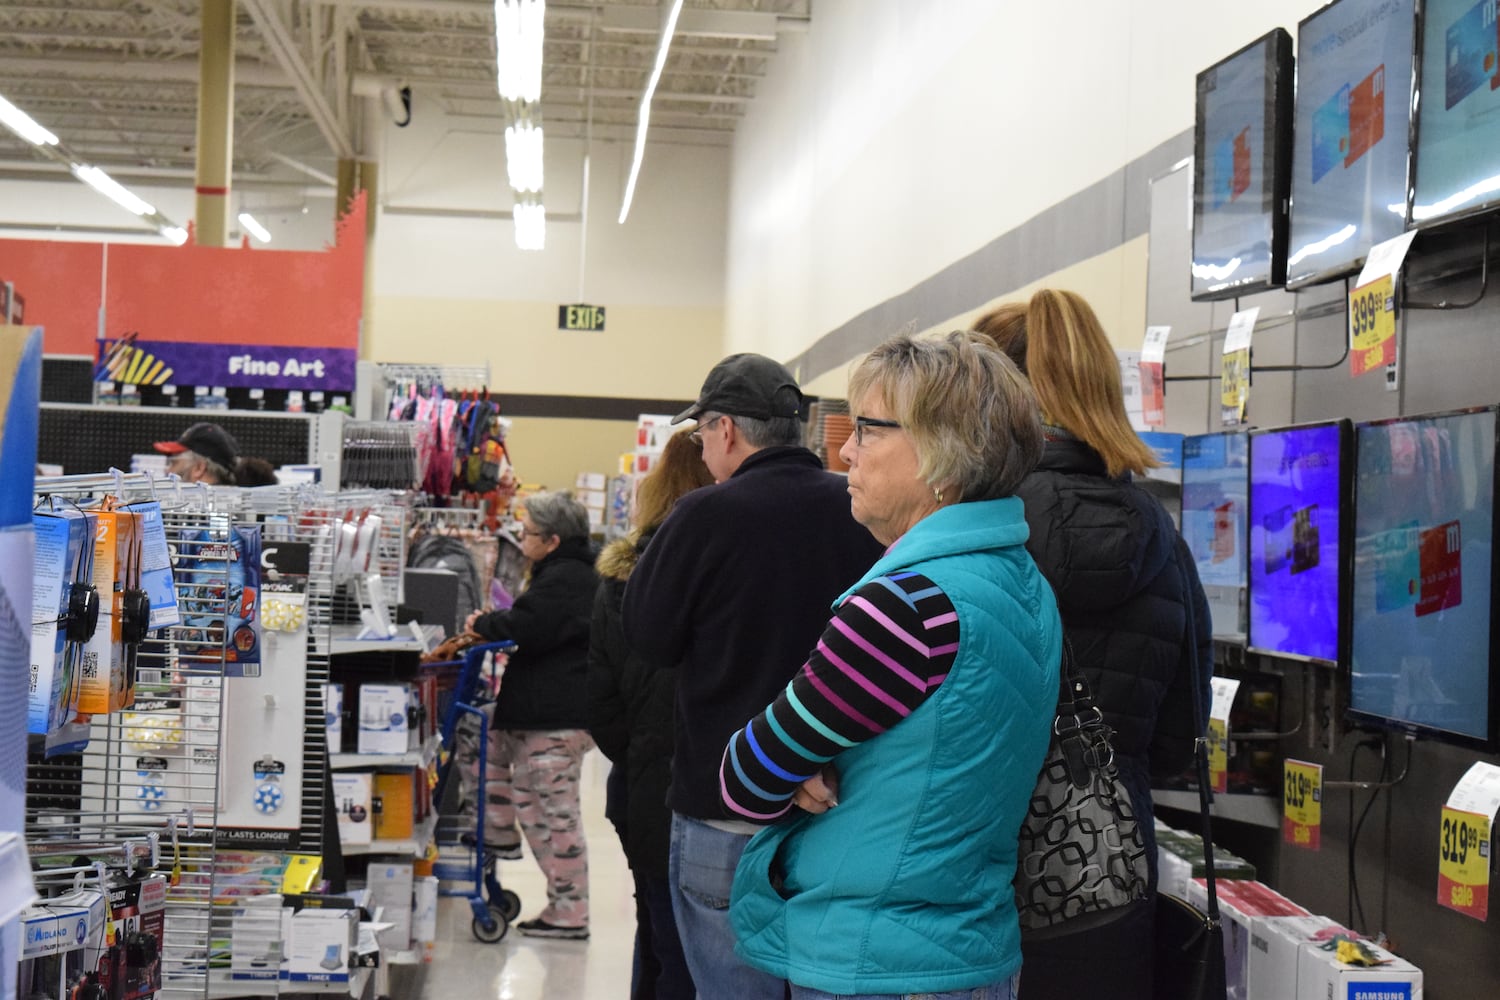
x=1298, y=493
x=1215, y=495
x=1458, y=126
x=1242, y=140
x=1351, y=143
x=1421, y=636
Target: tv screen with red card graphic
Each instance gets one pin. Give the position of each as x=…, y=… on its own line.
x=1457, y=163
x=1351, y=143
x=1215, y=483
x=1422, y=641
x=1242, y=143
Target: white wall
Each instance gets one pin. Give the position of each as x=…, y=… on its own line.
x=894, y=138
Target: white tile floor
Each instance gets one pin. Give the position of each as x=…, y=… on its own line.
x=523, y=968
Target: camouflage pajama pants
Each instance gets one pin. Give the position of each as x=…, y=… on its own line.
x=544, y=784
x=499, y=807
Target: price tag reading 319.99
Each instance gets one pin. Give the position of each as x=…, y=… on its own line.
x=1302, y=804
x=1464, y=863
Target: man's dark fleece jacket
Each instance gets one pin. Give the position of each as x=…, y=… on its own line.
x=735, y=590
x=545, y=683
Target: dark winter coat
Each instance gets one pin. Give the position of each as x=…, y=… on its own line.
x=735, y=590
x=630, y=717
x=544, y=682
x=1124, y=580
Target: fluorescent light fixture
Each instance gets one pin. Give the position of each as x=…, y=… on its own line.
x=669, y=27
x=24, y=125
x=523, y=156
x=531, y=225
x=254, y=228
x=519, y=31
x=111, y=189
x=176, y=235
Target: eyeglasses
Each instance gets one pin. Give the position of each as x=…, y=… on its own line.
x=525, y=532
x=697, y=436
x=860, y=423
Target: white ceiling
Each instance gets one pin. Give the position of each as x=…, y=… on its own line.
x=116, y=80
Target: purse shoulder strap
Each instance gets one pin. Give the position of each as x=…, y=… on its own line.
x=1200, y=743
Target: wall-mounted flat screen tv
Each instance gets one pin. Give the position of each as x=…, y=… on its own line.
x=1242, y=146
x=1299, y=502
x=1215, y=495
x=1457, y=163
x=1352, y=141
x=1422, y=638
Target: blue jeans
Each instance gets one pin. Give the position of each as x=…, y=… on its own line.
x=1008, y=990
x=702, y=864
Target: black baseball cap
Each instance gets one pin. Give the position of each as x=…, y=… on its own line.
x=209, y=440
x=747, y=385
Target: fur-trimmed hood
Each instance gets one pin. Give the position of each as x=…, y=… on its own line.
x=619, y=557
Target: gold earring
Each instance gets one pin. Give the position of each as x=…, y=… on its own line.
x=937, y=494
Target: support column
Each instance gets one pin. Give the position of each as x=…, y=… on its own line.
x=355, y=176
x=215, y=122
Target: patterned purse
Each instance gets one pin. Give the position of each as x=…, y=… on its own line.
x=1082, y=858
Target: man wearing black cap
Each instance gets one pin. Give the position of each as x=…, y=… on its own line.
x=734, y=591
x=205, y=452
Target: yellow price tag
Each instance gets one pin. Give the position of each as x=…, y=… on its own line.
x=1372, y=326
x=1302, y=804
x=1464, y=863
x=1218, y=754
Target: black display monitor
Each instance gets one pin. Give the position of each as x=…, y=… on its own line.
x=1215, y=497
x=1457, y=163
x=1352, y=141
x=1422, y=641
x=1242, y=151
x=1300, y=502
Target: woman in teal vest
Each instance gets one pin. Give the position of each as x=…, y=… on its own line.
x=911, y=739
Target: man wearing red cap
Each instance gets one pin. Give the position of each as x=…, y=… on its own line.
x=204, y=453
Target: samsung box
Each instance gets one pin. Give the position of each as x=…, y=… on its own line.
x=1275, y=946
x=1321, y=976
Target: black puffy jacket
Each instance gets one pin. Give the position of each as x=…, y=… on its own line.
x=1124, y=579
x=544, y=682
x=630, y=717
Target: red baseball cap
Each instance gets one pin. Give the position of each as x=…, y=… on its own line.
x=209, y=440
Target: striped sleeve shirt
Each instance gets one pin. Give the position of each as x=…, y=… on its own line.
x=884, y=653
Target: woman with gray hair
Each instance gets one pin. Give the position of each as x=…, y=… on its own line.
x=541, y=715
x=912, y=737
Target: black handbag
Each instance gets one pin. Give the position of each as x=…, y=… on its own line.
x=1189, y=954
x=1081, y=860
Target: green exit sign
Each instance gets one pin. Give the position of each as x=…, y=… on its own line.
x=580, y=317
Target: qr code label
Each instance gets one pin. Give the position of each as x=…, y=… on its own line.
x=90, y=666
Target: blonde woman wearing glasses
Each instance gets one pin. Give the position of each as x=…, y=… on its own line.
x=896, y=766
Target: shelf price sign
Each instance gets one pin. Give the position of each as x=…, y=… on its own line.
x=1464, y=863
x=1224, y=689
x=1302, y=804
x=1372, y=326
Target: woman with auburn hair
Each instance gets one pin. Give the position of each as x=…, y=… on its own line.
x=1131, y=603
x=630, y=716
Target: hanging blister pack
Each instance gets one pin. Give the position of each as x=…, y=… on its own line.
x=268, y=794
x=156, y=565
x=151, y=790
x=283, y=599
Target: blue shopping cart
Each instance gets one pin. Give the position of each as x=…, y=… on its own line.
x=475, y=879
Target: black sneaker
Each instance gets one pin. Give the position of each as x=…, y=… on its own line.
x=505, y=852
x=540, y=928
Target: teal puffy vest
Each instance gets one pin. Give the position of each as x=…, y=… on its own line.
x=905, y=886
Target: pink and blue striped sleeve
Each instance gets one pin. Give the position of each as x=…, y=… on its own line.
x=884, y=653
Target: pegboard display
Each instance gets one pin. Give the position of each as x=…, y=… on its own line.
x=67, y=379
x=86, y=439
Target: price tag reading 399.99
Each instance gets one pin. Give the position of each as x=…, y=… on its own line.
x=1464, y=863
x=1372, y=326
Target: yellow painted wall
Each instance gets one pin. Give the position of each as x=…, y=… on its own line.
x=1114, y=283
x=644, y=351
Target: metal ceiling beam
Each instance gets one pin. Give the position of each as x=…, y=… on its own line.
x=246, y=74
x=279, y=40
x=753, y=24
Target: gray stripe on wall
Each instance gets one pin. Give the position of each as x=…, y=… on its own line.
x=1095, y=220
